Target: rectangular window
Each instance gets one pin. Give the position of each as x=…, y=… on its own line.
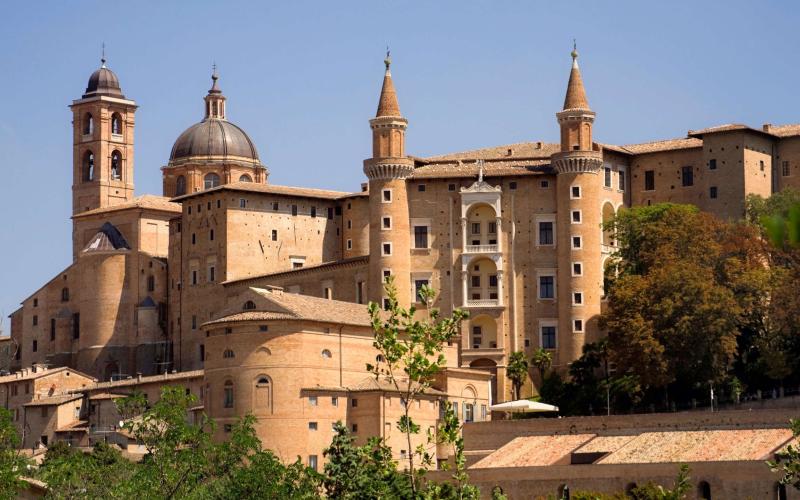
x=492, y=228
x=785, y=169
x=202, y=353
x=577, y=269
x=476, y=281
x=386, y=274
x=194, y=238
x=194, y=276
x=275, y=206
x=576, y=242
x=294, y=209
x=475, y=228
x=35, y=320
x=469, y=413
x=212, y=275
x=420, y=236
x=313, y=212
x=228, y=396
x=354, y=403
x=387, y=195
x=194, y=322
x=649, y=180
x=512, y=185
x=544, y=184
x=575, y=192
x=577, y=298
x=477, y=337
x=327, y=293
x=492, y=280
x=546, y=233
x=577, y=325
x=576, y=216
x=387, y=223
x=621, y=180
x=274, y=235
x=607, y=177
x=687, y=176
x=387, y=249
x=547, y=287
x=312, y=400
x=242, y=203
x=761, y=165
x=330, y=212
x=548, y=337
x=712, y=192
x=52, y=329
x=418, y=284
x=334, y=400
x=151, y=283
x=712, y=164
x=360, y=292
x=312, y=462
x=35, y=346
x=421, y=188
x=312, y=426
x=349, y=244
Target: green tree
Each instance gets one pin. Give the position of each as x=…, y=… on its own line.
x=12, y=463
x=70, y=473
x=361, y=472
x=449, y=433
x=412, y=353
x=788, y=461
x=517, y=371
x=542, y=360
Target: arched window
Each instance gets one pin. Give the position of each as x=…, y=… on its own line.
x=88, y=166
x=64, y=294
x=116, y=124
x=245, y=178
x=249, y=305
x=326, y=353
x=210, y=180
x=228, y=354
x=116, y=166
x=704, y=490
x=180, y=186
x=88, y=124
x=228, y=394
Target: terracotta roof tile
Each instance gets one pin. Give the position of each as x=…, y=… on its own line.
x=17, y=376
x=302, y=307
x=253, y=187
x=387, y=104
x=144, y=380
x=604, y=444
x=700, y=446
x=364, y=259
x=784, y=130
x=665, y=145
x=54, y=400
x=576, y=94
x=527, y=451
x=146, y=202
x=517, y=150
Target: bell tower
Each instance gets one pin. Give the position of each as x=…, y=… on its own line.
x=387, y=170
x=579, y=194
x=102, y=140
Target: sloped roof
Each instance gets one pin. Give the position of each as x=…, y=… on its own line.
x=107, y=395
x=44, y=372
x=576, y=93
x=363, y=259
x=700, y=446
x=370, y=384
x=528, y=451
x=166, y=377
x=664, y=145
x=253, y=187
x=517, y=150
x=108, y=238
x=788, y=130
x=54, y=400
x=302, y=307
x=145, y=202
x=727, y=127
x=387, y=103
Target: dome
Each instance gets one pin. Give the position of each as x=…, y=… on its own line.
x=214, y=138
x=103, y=82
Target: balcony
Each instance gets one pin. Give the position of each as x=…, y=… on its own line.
x=478, y=249
x=482, y=303
x=495, y=354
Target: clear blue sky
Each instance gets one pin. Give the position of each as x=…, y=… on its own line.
x=302, y=78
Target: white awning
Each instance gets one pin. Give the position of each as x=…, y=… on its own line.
x=523, y=406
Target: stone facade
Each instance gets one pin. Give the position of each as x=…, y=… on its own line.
x=510, y=233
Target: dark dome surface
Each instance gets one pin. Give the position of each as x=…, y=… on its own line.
x=214, y=137
x=103, y=82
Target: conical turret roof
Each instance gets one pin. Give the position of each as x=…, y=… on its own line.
x=576, y=94
x=388, y=105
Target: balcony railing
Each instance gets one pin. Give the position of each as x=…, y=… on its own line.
x=483, y=303
x=481, y=248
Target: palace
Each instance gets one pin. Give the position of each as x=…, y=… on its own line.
x=262, y=288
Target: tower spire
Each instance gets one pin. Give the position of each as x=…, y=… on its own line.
x=576, y=94
x=387, y=104
x=215, y=101
x=103, y=56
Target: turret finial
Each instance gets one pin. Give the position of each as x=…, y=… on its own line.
x=480, y=170
x=388, y=60
x=574, y=53
x=103, y=56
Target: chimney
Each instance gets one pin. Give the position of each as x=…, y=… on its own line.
x=364, y=187
x=767, y=127
x=538, y=144
x=509, y=152
x=138, y=376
